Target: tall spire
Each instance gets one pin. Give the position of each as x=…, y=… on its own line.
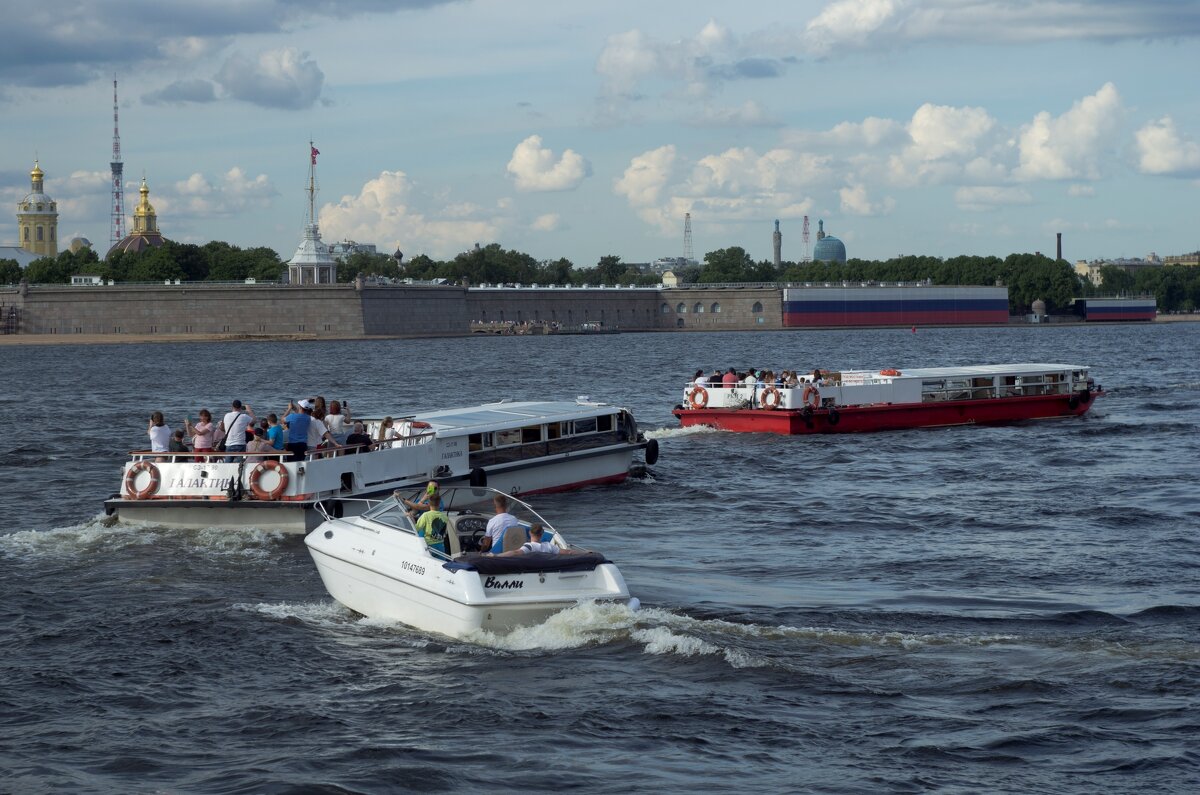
x=312, y=183
x=118, y=168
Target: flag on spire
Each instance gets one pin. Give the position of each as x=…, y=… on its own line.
x=315, y=152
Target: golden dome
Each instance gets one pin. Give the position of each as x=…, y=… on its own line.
x=144, y=208
x=37, y=172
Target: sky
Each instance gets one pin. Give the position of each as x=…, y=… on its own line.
x=578, y=130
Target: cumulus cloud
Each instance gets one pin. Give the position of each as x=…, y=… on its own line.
x=537, y=169
x=986, y=197
x=69, y=42
x=1077, y=191
x=1071, y=146
x=182, y=91
x=856, y=202
x=735, y=185
x=233, y=192
x=550, y=222
x=748, y=114
x=282, y=78
x=1162, y=150
x=685, y=70
x=386, y=210
x=875, y=24
x=871, y=132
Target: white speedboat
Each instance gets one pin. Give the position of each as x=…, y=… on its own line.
x=519, y=447
x=377, y=564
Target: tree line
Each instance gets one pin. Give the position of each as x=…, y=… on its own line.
x=1028, y=277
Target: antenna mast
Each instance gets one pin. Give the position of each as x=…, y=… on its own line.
x=687, y=238
x=118, y=168
x=312, y=183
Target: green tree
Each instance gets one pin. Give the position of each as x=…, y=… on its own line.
x=727, y=265
x=609, y=269
x=10, y=271
x=1115, y=280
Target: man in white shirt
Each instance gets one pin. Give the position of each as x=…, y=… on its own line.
x=235, y=424
x=497, y=526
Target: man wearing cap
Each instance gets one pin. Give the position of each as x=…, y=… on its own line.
x=297, y=418
x=235, y=424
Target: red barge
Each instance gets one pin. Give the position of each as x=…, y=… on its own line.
x=857, y=401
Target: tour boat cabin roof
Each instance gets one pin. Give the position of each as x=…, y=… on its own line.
x=981, y=370
x=492, y=416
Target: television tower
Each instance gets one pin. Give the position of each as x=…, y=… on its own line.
x=687, y=238
x=805, y=236
x=118, y=169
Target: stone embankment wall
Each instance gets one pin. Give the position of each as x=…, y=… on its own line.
x=721, y=308
x=272, y=310
x=630, y=309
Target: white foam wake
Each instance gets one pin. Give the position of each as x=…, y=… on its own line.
x=674, y=433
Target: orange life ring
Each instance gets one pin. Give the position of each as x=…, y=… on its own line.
x=131, y=480
x=889, y=371
x=256, y=474
x=698, y=397
x=770, y=405
x=811, y=390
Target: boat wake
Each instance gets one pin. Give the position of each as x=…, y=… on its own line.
x=101, y=533
x=674, y=433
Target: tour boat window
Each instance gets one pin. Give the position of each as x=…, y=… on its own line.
x=479, y=441
x=604, y=423
x=531, y=433
x=585, y=426
x=508, y=437
x=554, y=430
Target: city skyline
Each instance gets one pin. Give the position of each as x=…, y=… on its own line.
x=942, y=127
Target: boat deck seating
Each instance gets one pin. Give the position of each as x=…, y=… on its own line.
x=524, y=564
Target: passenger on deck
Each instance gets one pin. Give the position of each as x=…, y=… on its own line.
x=202, y=433
x=791, y=381
x=534, y=544
x=274, y=432
x=319, y=410
x=358, y=441
x=235, y=424
x=338, y=421
x=386, y=434
x=297, y=417
x=730, y=379
x=498, y=525
x=432, y=524
x=159, y=432
x=177, y=445
x=259, y=444
x=700, y=379
x=319, y=436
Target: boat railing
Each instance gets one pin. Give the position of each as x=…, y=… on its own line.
x=219, y=457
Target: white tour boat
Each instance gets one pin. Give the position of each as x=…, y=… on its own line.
x=517, y=447
x=378, y=564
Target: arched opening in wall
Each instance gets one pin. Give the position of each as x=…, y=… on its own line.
x=679, y=322
x=716, y=308
x=662, y=307
x=757, y=307
x=40, y=234
x=681, y=308
x=27, y=239
x=51, y=234
x=698, y=308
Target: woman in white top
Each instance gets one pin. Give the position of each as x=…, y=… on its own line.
x=159, y=432
x=338, y=421
x=386, y=434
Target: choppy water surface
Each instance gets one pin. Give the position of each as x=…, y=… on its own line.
x=1011, y=609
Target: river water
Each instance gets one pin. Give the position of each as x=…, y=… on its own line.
x=1009, y=609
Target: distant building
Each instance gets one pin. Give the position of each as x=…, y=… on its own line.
x=1090, y=270
x=37, y=218
x=312, y=263
x=145, y=234
x=664, y=264
x=828, y=248
x=342, y=250
x=1183, y=259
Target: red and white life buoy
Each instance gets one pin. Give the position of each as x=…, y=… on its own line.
x=131, y=480
x=811, y=395
x=770, y=398
x=698, y=397
x=890, y=371
x=256, y=474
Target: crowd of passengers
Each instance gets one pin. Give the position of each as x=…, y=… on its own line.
x=305, y=425
x=756, y=379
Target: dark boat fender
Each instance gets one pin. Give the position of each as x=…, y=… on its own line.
x=1073, y=402
x=478, y=477
x=652, y=452
x=1085, y=397
x=834, y=417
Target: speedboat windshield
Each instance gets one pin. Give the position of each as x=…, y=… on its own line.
x=391, y=513
x=474, y=500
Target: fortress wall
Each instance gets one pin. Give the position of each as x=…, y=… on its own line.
x=415, y=311
x=321, y=310
x=721, y=308
x=624, y=308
